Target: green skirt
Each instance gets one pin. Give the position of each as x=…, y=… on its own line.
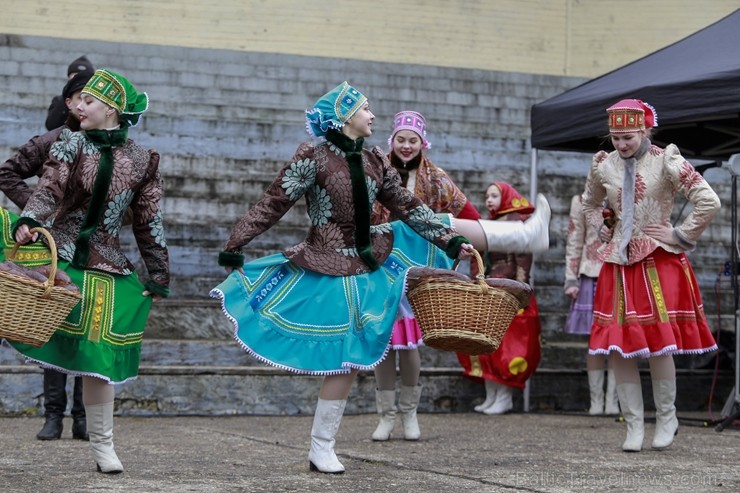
x=102, y=335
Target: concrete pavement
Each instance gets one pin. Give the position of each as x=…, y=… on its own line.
x=533, y=452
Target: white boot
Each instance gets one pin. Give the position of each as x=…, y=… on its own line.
x=666, y=422
x=326, y=421
x=531, y=235
x=596, y=391
x=611, y=402
x=630, y=400
x=100, y=429
x=503, y=403
x=490, y=396
x=385, y=402
x=408, y=401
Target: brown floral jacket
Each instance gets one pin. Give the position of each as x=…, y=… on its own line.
x=433, y=186
x=63, y=193
x=321, y=174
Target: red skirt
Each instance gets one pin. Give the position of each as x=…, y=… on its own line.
x=650, y=308
x=516, y=358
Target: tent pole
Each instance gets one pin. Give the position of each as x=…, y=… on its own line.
x=533, y=176
x=532, y=197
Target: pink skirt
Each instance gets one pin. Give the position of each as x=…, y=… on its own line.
x=406, y=331
x=650, y=308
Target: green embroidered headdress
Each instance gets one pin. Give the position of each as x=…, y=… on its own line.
x=334, y=109
x=117, y=92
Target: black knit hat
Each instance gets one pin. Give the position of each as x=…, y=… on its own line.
x=80, y=65
x=76, y=83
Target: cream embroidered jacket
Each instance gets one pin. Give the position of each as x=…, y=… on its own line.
x=581, y=246
x=660, y=174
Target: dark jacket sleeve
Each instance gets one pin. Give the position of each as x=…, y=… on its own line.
x=27, y=162
x=57, y=114
x=274, y=204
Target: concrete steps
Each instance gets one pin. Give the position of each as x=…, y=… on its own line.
x=216, y=377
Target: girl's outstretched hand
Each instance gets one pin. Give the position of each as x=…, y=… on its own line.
x=466, y=251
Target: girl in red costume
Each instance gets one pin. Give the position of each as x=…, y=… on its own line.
x=517, y=357
x=648, y=304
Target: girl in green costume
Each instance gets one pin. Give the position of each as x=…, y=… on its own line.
x=91, y=179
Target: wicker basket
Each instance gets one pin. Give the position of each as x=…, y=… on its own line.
x=31, y=310
x=469, y=317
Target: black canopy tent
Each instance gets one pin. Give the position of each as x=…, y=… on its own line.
x=694, y=85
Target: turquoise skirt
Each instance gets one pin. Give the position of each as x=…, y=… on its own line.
x=312, y=323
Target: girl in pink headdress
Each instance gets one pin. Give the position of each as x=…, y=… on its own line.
x=647, y=300
x=437, y=190
x=518, y=356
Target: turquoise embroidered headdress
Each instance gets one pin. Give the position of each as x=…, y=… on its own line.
x=117, y=92
x=334, y=109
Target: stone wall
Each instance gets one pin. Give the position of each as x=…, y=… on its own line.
x=226, y=121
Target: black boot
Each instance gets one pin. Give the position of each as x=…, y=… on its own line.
x=52, y=429
x=55, y=403
x=79, y=420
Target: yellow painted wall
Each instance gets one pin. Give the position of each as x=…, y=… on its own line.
x=582, y=38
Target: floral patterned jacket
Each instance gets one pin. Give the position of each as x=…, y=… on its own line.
x=434, y=187
x=63, y=193
x=581, y=246
x=321, y=174
x=659, y=175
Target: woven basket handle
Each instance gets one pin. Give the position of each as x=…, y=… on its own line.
x=480, y=278
x=53, y=247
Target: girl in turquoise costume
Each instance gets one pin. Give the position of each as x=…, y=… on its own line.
x=327, y=305
x=91, y=178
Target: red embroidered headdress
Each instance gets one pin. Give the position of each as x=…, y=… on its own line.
x=631, y=115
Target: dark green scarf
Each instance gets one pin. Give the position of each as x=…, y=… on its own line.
x=105, y=141
x=353, y=154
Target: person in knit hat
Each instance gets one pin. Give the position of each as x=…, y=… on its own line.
x=327, y=305
x=24, y=164
x=92, y=177
x=407, y=144
x=647, y=303
x=81, y=64
x=58, y=111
